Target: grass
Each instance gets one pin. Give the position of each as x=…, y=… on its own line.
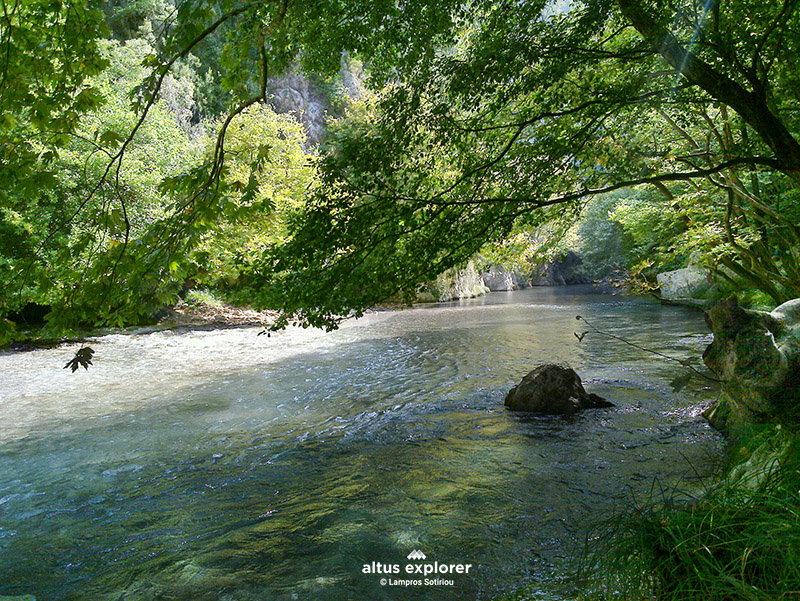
x=203, y=297
x=739, y=540
x=729, y=545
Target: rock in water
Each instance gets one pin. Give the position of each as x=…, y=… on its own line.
x=757, y=356
x=553, y=390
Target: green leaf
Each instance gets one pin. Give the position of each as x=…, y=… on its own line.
x=111, y=139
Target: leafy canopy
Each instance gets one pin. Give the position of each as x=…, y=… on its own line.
x=535, y=111
x=490, y=116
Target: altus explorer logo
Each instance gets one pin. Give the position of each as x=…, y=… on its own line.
x=419, y=572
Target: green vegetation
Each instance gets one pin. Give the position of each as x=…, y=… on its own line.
x=739, y=539
x=728, y=545
x=528, y=117
x=488, y=126
x=140, y=161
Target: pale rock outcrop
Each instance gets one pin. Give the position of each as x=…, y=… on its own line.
x=454, y=284
x=500, y=279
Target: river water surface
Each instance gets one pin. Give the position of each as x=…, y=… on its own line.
x=225, y=466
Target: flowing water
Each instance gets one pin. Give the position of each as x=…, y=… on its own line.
x=225, y=466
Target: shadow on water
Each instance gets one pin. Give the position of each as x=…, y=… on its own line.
x=282, y=479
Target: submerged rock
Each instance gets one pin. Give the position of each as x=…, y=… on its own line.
x=756, y=354
x=553, y=390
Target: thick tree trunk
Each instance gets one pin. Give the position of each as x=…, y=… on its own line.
x=750, y=105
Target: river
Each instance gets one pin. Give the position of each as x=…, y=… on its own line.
x=224, y=466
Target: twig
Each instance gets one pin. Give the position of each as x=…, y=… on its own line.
x=685, y=362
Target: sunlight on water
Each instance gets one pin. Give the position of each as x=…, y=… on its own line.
x=224, y=466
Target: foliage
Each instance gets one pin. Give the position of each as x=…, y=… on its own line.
x=110, y=242
x=200, y=296
x=493, y=118
x=112, y=267
x=601, y=240
x=126, y=18
x=527, y=116
x=45, y=88
x=82, y=358
x=62, y=236
x=738, y=540
x=269, y=193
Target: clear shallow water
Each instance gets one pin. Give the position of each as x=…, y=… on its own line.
x=225, y=466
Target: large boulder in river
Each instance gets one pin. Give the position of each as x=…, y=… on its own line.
x=756, y=354
x=554, y=390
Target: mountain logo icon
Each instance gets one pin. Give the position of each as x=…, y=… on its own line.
x=416, y=554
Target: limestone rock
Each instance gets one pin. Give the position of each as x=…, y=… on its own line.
x=296, y=93
x=756, y=354
x=554, y=390
x=454, y=284
x=499, y=279
x=690, y=282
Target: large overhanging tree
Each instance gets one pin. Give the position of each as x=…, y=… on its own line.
x=534, y=111
x=493, y=113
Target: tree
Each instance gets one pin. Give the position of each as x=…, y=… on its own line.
x=50, y=52
x=492, y=115
x=535, y=111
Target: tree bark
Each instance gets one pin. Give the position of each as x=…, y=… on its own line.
x=751, y=105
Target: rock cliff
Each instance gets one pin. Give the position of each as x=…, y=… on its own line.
x=454, y=284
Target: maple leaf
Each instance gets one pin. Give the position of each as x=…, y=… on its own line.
x=82, y=358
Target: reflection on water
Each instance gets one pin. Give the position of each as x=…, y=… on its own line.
x=225, y=466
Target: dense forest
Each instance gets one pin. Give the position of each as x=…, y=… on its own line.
x=143, y=155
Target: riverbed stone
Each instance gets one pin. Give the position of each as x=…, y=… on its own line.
x=553, y=390
x=756, y=354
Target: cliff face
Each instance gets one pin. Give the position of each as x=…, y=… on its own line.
x=312, y=100
x=498, y=278
x=294, y=93
x=454, y=284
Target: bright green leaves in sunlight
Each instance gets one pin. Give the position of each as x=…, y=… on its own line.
x=44, y=85
x=133, y=168
x=111, y=194
x=534, y=111
x=268, y=177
